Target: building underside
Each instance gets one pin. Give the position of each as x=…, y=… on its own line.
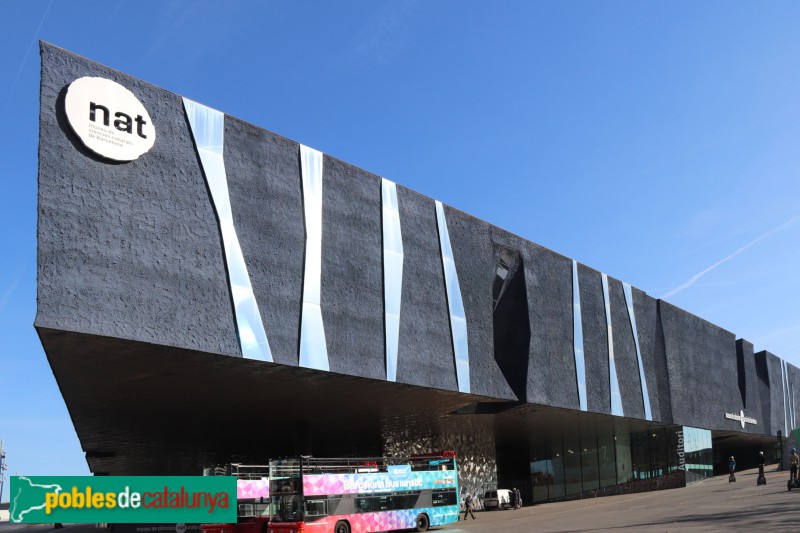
x=142, y=409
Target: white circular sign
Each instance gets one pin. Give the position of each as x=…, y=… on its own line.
x=109, y=119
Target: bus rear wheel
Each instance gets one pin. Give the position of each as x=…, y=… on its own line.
x=422, y=522
x=341, y=527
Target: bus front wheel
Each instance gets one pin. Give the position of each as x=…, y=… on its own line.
x=341, y=527
x=422, y=522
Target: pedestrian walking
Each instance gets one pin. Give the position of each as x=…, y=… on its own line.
x=468, y=504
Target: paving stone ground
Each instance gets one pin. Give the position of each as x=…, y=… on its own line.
x=712, y=505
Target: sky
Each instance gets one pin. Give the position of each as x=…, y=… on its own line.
x=658, y=142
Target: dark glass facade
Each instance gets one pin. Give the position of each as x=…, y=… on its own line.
x=602, y=461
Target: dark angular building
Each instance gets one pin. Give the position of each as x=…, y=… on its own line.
x=212, y=292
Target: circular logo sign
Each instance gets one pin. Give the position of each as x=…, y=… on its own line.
x=109, y=119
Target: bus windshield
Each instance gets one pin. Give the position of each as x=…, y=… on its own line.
x=286, y=490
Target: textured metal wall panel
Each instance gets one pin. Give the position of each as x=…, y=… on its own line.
x=648, y=415
x=425, y=354
x=625, y=352
x=651, y=344
x=595, y=340
x=749, y=378
x=473, y=251
x=614, y=393
x=551, y=363
x=775, y=393
x=352, y=271
x=701, y=359
x=267, y=202
x=127, y=250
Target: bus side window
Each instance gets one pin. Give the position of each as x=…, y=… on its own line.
x=316, y=507
x=346, y=504
x=444, y=498
x=370, y=504
x=385, y=503
x=333, y=505
x=362, y=505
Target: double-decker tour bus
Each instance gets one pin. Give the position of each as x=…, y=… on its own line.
x=314, y=495
x=252, y=497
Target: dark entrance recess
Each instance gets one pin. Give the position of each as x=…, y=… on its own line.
x=511, y=324
x=513, y=470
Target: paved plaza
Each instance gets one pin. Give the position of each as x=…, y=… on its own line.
x=713, y=505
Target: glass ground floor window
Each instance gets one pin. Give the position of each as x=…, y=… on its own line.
x=698, y=454
x=604, y=457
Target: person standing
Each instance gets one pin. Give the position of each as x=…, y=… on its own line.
x=468, y=504
x=795, y=461
x=517, y=498
x=731, y=469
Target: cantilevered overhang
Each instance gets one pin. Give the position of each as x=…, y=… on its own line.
x=142, y=409
x=146, y=409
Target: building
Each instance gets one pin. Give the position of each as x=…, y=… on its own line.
x=212, y=292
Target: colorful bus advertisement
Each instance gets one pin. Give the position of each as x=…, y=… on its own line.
x=363, y=496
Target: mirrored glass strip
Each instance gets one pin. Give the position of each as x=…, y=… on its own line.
x=626, y=288
x=208, y=129
x=313, y=348
x=785, y=400
x=392, y=274
x=790, y=397
x=616, y=397
x=458, y=320
x=577, y=338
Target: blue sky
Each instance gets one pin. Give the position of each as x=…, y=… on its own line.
x=656, y=142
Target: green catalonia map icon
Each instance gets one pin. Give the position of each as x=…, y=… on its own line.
x=28, y=500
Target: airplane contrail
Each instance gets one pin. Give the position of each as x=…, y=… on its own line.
x=702, y=273
x=24, y=59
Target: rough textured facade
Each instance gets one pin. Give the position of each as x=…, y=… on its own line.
x=132, y=253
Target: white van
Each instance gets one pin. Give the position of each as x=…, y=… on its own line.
x=497, y=499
